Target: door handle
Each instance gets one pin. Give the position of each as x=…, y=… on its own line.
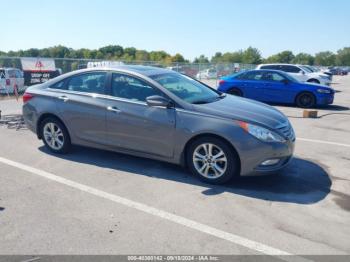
x=64, y=98
x=113, y=109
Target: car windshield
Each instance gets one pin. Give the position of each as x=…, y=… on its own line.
x=307, y=69
x=187, y=88
x=289, y=77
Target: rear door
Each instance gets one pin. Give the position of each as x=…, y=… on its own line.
x=251, y=85
x=132, y=124
x=81, y=104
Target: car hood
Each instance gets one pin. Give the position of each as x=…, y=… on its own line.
x=315, y=86
x=317, y=74
x=244, y=109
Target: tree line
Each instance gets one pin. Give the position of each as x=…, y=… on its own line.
x=250, y=55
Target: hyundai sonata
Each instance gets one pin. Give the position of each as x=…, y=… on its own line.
x=160, y=114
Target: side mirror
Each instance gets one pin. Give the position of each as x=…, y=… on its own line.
x=302, y=72
x=159, y=101
x=285, y=81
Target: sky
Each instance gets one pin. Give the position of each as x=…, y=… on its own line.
x=189, y=27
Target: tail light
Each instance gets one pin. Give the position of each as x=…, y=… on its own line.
x=26, y=97
x=221, y=82
x=8, y=82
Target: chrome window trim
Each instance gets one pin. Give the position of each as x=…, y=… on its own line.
x=96, y=95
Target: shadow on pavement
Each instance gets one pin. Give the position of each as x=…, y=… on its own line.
x=336, y=108
x=302, y=182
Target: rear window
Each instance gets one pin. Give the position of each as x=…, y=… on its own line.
x=255, y=75
x=11, y=73
x=59, y=85
x=290, y=69
x=271, y=67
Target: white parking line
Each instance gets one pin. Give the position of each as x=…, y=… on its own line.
x=322, y=142
x=253, y=245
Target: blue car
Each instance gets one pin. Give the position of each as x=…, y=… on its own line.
x=273, y=86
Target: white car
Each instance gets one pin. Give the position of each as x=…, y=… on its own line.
x=300, y=73
x=207, y=74
x=9, y=79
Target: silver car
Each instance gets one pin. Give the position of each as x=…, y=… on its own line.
x=160, y=114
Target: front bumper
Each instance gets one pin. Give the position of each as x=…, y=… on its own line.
x=325, y=99
x=283, y=152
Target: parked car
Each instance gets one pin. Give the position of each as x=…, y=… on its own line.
x=299, y=73
x=317, y=70
x=9, y=79
x=207, y=74
x=276, y=87
x=338, y=71
x=160, y=114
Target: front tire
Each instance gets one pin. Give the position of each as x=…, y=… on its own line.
x=305, y=100
x=55, y=135
x=212, y=160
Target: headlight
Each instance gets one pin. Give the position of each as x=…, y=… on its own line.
x=324, y=91
x=324, y=77
x=261, y=133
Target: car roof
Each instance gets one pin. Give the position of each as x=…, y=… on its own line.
x=264, y=70
x=277, y=64
x=143, y=70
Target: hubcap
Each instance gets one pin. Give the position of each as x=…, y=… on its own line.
x=53, y=136
x=209, y=160
x=305, y=100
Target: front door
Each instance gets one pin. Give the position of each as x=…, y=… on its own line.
x=132, y=124
x=277, y=88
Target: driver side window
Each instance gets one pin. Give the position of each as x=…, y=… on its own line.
x=272, y=76
x=128, y=87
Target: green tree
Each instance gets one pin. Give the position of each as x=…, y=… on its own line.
x=178, y=58
x=202, y=59
x=217, y=58
x=158, y=55
x=130, y=51
x=142, y=55
x=325, y=58
x=286, y=57
x=304, y=59
x=112, y=51
x=343, y=57
x=251, y=56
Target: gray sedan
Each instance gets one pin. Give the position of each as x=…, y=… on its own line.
x=160, y=114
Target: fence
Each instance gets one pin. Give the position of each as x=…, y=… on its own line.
x=210, y=72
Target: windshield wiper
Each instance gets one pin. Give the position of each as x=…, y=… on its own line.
x=201, y=102
x=209, y=100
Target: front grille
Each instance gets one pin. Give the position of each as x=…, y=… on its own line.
x=287, y=130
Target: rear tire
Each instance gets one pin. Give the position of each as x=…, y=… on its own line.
x=212, y=160
x=55, y=135
x=305, y=100
x=235, y=91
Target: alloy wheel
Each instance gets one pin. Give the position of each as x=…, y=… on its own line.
x=53, y=136
x=210, y=160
